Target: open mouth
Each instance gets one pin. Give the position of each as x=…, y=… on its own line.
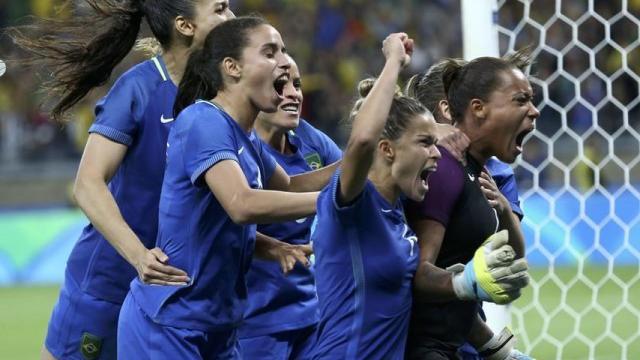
x=520, y=138
x=424, y=174
x=280, y=82
x=291, y=108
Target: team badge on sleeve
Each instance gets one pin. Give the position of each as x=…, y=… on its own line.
x=90, y=346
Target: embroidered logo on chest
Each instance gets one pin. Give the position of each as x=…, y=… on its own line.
x=314, y=161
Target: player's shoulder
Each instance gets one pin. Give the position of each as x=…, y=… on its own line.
x=306, y=131
x=449, y=177
x=311, y=135
x=205, y=114
x=147, y=74
x=306, y=126
x=498, y=168
x=448, y=160
x=204, y=107
x=132, y=91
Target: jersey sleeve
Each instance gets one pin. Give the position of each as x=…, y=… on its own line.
x=119, y=112
x=509, y=188
x=268, y=162
x=345, y=213
x=329, y=151
x=209, y=140
x=504, y=177
x=445, y=187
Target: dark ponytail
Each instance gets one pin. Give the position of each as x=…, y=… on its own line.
x=451, y=70
x=202, y=79
x=476, y=79
x=198, y=82
x=80, y=52
x=428, y=87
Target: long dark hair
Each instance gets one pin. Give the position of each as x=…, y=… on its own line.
x=202, y=78
x=81, y=52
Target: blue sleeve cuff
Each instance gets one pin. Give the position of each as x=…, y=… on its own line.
x=216, y=158
x=269, y=170
x=335, y=189
x=517, y=210
x=111, y=133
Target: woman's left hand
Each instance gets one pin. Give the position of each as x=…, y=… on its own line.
x=454, y=140
x=493, y=194
x=287, y=255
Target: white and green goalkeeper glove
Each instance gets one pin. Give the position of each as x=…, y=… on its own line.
x=500, y=347
x=492, y=275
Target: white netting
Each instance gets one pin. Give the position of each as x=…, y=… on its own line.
x=579, y=177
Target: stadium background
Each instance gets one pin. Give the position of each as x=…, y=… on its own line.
x=579, y=176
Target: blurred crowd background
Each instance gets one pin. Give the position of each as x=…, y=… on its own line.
x=336, y=43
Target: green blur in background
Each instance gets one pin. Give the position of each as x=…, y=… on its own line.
x=26, y=311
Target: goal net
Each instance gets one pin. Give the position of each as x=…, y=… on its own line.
x=579, y=177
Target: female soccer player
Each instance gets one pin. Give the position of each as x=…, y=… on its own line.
x=281, y=316
x=366, y=253
x=428, y=88
x=490, y=100
x=120, y=174
x=212, y=197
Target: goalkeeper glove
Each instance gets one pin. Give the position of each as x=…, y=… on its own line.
x=500, y=347
x=492, y=275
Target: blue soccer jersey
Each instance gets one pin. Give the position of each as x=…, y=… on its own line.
x=504, y=177
x=137, y=113
x=195, y=231
x=278, y=302
x=366, y=258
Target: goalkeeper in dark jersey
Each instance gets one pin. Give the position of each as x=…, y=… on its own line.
x=490, y=101
x=427, y=87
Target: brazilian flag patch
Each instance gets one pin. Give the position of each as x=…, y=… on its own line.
x=90, y=346
x=314, y=161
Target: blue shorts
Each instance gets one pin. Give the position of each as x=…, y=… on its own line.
x=81, y=326
x=285, y=345
x=141, y=339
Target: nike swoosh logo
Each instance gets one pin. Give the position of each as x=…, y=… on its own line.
x=386, y=210
x=471, y=177
x=165, y=120
x=240, y=150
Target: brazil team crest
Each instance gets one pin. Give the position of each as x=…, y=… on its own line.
x=90, y=346
x=314, y=161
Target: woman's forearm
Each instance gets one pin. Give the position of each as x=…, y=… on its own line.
x=313, y=180
x=511, y=223
x=433, y=284
x=267, y=206
x=97, y=203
